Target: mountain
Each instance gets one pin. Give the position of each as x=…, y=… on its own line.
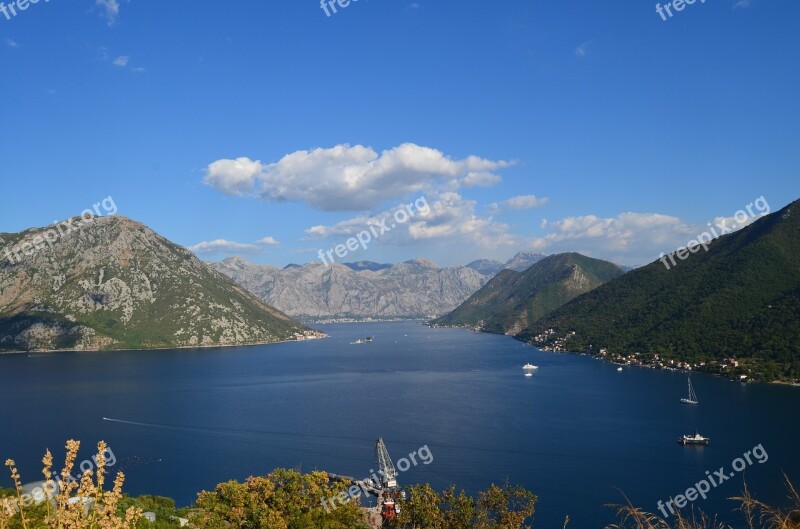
x=414, y=289
x=487, y=267
x=116, y=284
x=513, y=300
x=367, y=265
x=523, y=260
x=519, y=263
x=740, y=298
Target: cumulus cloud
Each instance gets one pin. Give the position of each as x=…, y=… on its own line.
x=268, y=241
x=741, y=4
x=629, y=237
x=450, y=217
x=223, y=246
x=11, y=43
x=518, y=202
x=121, y=61
x=345, y=178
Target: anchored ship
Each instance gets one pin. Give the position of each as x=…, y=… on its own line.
x=692, y=398
x=694, y=439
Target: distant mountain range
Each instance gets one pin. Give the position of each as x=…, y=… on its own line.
x=367, y=290
x=116, y=284
x=367, y=265
x=520, y=262
x=741, y=298
x=315, y=291
x=513, y=300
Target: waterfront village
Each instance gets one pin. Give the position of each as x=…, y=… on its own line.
x=731, y=368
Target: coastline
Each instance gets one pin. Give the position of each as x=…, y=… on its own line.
x=608, y=361
x=216, y=346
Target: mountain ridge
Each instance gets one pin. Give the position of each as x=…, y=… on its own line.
x=414, y=289
x=739, y=299
x=117, y=284
x=513, y=300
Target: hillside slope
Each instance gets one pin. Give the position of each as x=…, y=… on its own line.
x=115, y=284
x=512, y=300
x=741, y=298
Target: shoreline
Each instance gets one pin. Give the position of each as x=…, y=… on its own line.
x=656, y=368
x=218, y=346
x=749, y=381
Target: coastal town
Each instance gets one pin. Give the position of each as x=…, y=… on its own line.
x=738, y=370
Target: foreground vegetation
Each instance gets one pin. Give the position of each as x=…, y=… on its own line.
x=287, y=499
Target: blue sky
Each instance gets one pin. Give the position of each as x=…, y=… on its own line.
x=526, y=125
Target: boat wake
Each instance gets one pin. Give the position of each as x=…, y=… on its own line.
x=232, y=432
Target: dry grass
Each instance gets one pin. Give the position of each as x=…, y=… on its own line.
x=758, y=515
x=74, y=504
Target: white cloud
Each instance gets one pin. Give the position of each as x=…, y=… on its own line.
x=138, y=69
x=518, y=202
x=629, y=237
x=583, y=49
x=741, y=4
x=110, y=8
x=268, y=241
x=121, y=61
x=11, y=43
x=345, y=178
x=233, y=177
x=451, y=218
x=222, y=246
x=480, y=179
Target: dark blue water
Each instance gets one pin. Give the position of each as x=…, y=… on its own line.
x=574, y=433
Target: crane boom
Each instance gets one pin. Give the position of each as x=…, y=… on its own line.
x=385, y=465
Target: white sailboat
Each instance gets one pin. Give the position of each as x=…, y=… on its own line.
x=692, y=399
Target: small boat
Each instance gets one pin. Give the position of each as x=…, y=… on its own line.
x=692, y=398
x=530, y=366
x=695, y=439
x=528, y=374
x=619, y=369
x=368, y=339
x=357, y=342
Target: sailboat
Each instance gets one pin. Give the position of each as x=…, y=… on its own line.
x=692, y=399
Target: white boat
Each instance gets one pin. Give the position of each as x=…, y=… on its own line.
x=530, y=366
x=695, y=439
x=692, y=398
x=619, y=369
x=528, y=374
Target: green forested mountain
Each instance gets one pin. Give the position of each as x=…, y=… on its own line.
x=741, y=298
x=513, y=300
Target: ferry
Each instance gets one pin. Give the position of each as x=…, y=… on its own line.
x=695, y=439
x=530, y=366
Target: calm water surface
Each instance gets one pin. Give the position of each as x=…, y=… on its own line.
x=575, y=433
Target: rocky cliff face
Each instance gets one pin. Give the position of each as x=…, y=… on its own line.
x=414, y=289
x=115, y=283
